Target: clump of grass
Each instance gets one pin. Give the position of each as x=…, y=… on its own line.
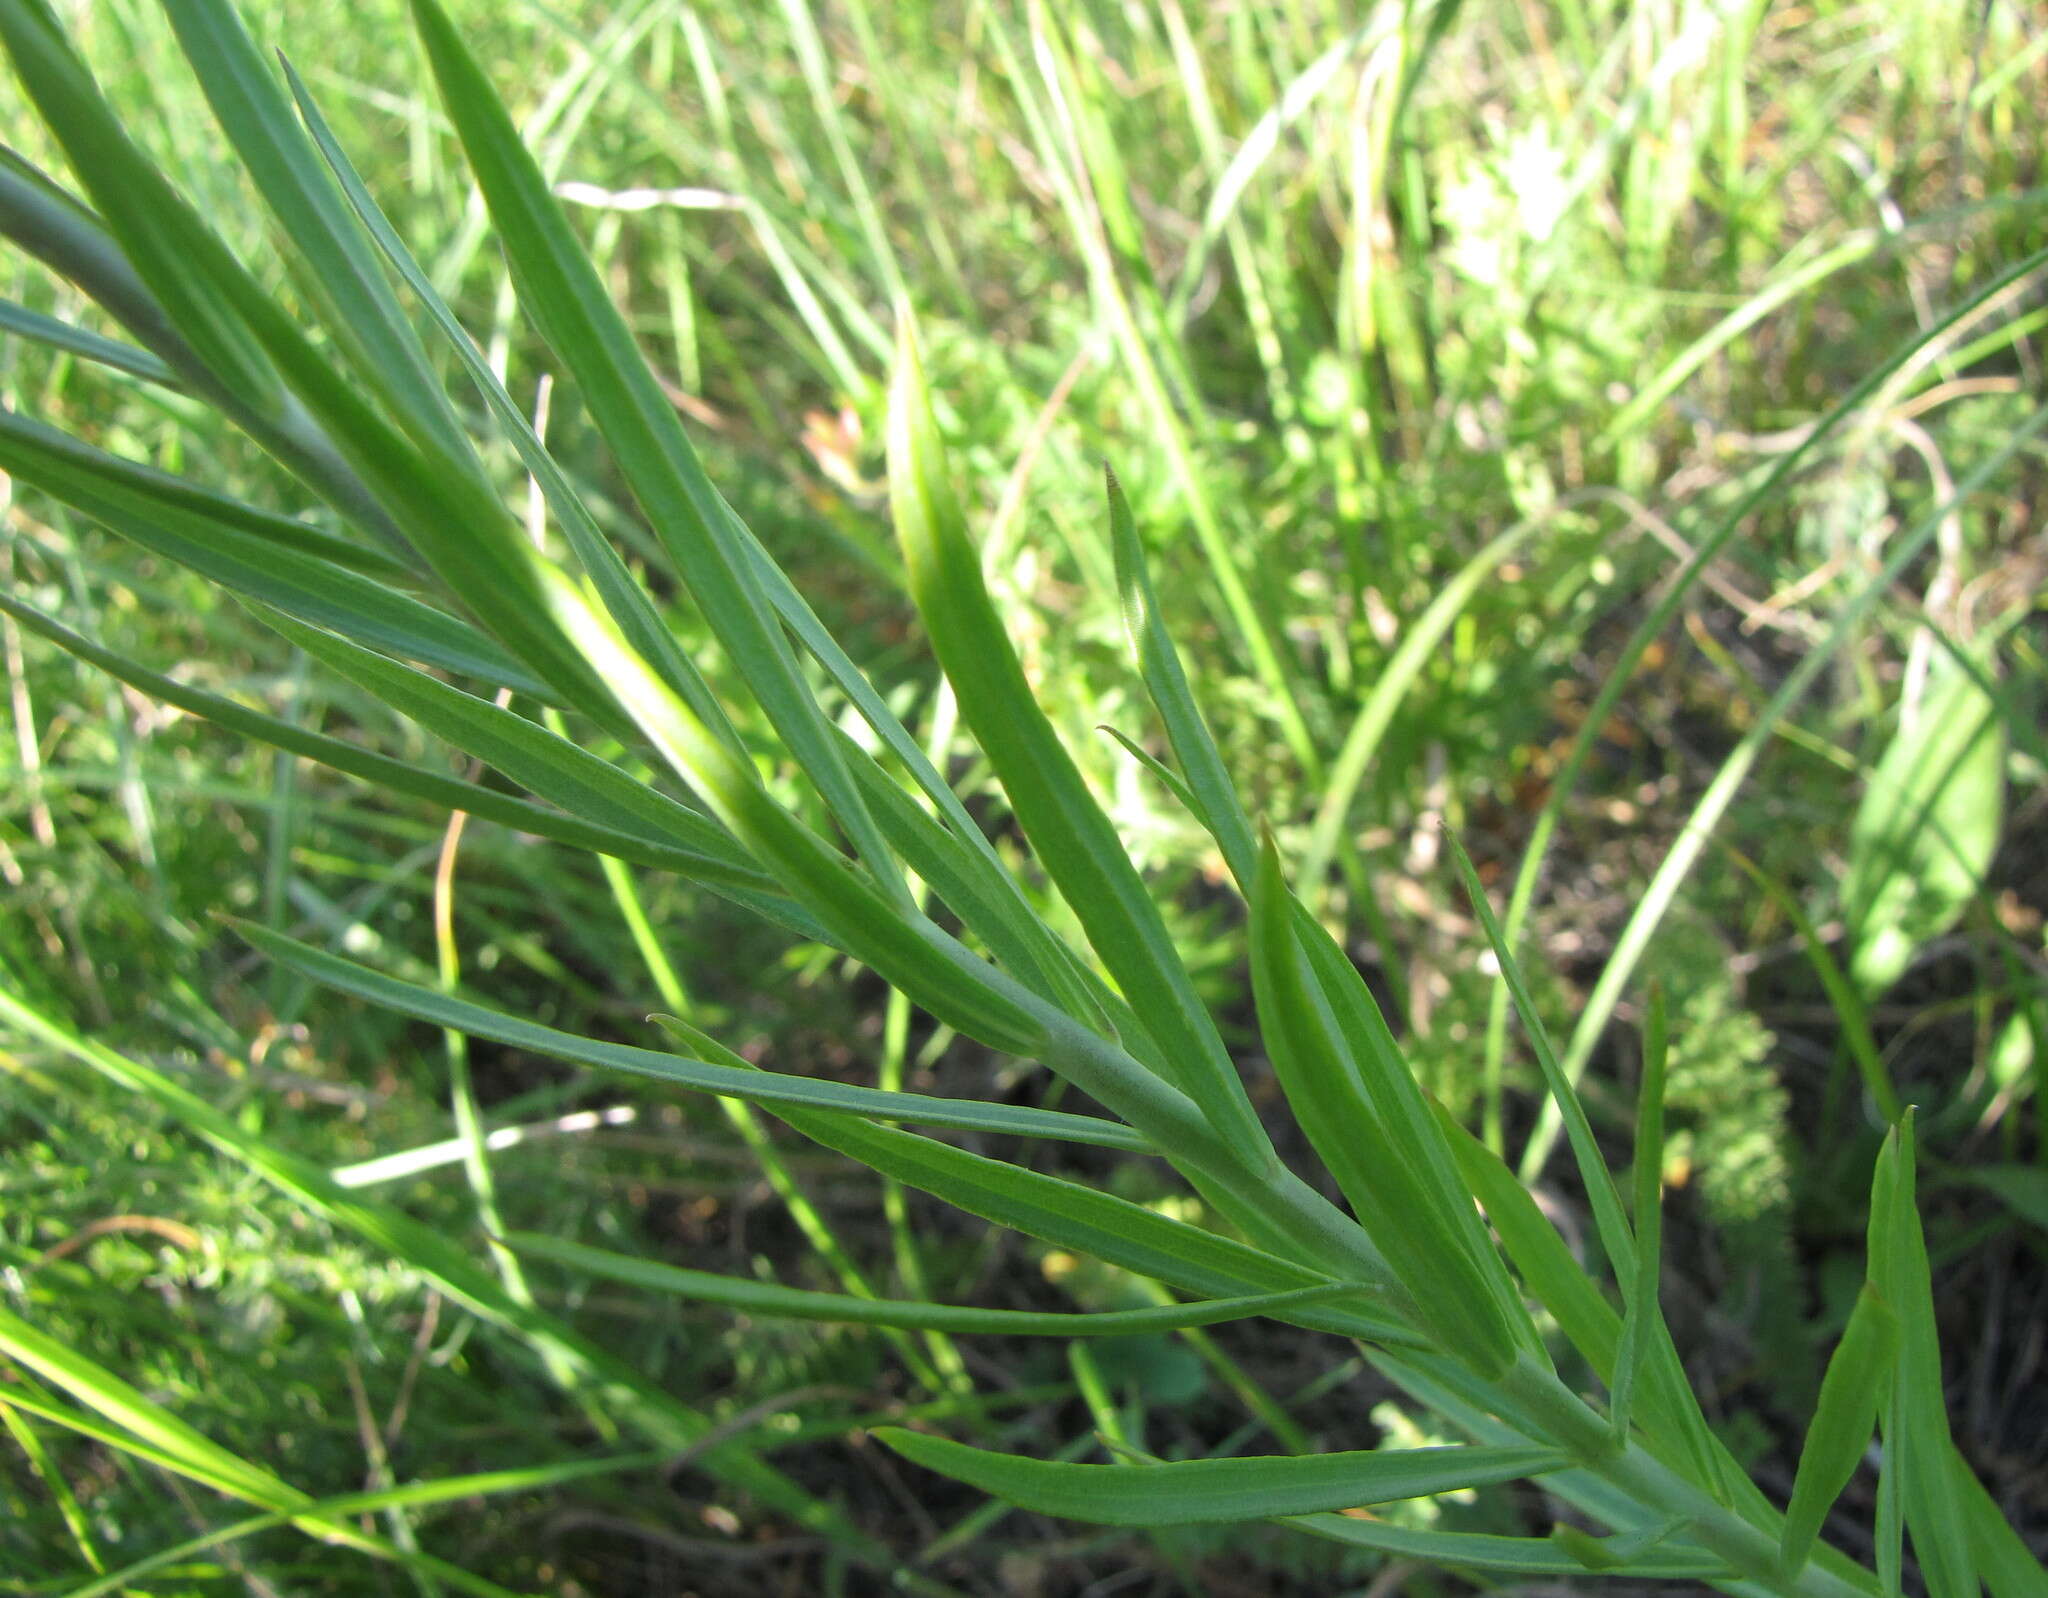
x=778, y=777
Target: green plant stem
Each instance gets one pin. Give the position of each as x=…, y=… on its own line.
x=1575, y=1425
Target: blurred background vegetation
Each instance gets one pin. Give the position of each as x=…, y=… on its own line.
x=1429, y=342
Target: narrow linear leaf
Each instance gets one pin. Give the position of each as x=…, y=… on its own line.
x=627, y=601
x=642, y=846
x=327, y=246
x=2009, y=1569
x=1600, y=1189
x=1067, y=828
x=72, y=339
x=903, y=945
x=1527, y=1556
x=1210, y=794
x=1378, y=1170
x=1918, y=1448
x=56, y=461
x=768, y=1088
x=1670, y=1409
x=538, y=760
x=1859, y=1371
x=772, y=1299
x=277, y=571
x=1071, y=1215
x=1605, y=1556
x=1207, y=1491
x=562, y=292
x=173, y=251
x=1643, y=1322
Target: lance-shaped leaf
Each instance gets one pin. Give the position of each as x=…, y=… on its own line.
x=1526, y=1556
x=53, y=333
x=159, y=233
x=1608, y=1220
x=1071, y=1215
x=538, y=760
x=793, y=1303
x=333, y=259
x=1643, y=1324
x=1210, y=793
x=632, y=837
x=1859, y=1372
x=1381, y=1172
x=758, y=1087
x=1195, y=1492
x=1918, y=1450
x=563, y=293
x=272, y=559
x=1068, y=830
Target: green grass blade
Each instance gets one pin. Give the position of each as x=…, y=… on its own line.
x=1839, y=1434
x=150, y=1432
x=767, y=1088
x=1067, y=828
x=446, y=1489
x=658, y=1415
x=773, y=1299
x=101, y=1390
x=1220, y=551
x=76, y=1525
x=1253, y=152
x=1196, y=1492
x=1653, y=623
x=1849, y=1006
x=1713, y=804
x=1418, y=647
